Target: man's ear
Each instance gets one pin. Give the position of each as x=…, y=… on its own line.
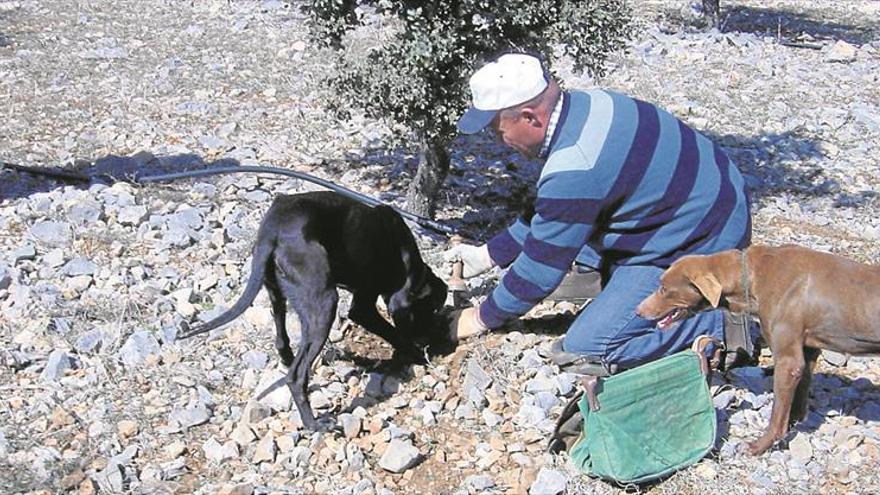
x=709, y=287
x=531, y=116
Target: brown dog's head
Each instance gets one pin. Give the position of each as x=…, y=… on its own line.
x=688, y=286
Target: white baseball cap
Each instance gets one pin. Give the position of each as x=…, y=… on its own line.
x=512, y=79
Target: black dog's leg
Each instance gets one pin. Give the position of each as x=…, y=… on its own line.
x=317, y=316
x=279, y=312
x=303, y=273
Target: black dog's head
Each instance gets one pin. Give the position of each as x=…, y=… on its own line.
x=413, y=307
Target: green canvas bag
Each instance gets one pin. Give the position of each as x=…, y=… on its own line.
x=646, y=422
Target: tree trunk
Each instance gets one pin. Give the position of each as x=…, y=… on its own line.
x=712, y=11
x=421, y=198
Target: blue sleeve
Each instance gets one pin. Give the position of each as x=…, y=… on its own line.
x=565, y=214
x=507, y=244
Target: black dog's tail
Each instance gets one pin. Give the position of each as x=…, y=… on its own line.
x=262, y=251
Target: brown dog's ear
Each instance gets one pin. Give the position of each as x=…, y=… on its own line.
x=709, y=287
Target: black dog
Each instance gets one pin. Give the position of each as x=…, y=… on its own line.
x=308, y=245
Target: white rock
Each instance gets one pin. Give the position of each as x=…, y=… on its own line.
x=54, y=258
x=259, y=317
x=399, y=456
x=800, y=448
x=79, y=266
x=265, y=451
x=132, y=215
x=57, y=363
x=548, y=482
x=111, y=478
x=138, y=346
x=841, y=52
x=351, y=425
x=272, y=390
x=243, y=435
x=216, y=453
x=52, y=234
x=193, y=415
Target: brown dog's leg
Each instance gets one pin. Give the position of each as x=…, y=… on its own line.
x=788, y=359
x=801, y=402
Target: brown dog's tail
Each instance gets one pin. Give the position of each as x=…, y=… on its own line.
x=262, y=252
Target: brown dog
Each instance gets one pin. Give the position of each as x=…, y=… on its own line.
x=805, y=301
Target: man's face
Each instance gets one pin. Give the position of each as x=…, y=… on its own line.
x=521, y=131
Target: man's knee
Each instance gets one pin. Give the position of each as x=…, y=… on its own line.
x=586, y=343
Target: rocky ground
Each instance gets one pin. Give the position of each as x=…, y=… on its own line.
x=97, y=279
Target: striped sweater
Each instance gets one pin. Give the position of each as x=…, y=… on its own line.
x=625, y=183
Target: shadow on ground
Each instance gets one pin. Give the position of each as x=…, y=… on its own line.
x=16, y=183
x=788, y=163
x=489, y=183
x=783, y=24
x=105, y=170
x=388, y=370
x=5, y=40
x=792, y=25
x=830, y=395
x=781, y=162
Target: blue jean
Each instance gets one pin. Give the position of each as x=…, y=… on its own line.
x=608, y=327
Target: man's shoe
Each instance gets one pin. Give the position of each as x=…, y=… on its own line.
x=578, y=286
x=579, y=364
x=738, y=342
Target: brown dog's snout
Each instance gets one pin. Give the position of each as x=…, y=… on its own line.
x=639, y=312
x=643, y=309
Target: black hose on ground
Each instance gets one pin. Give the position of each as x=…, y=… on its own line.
x=79, y=177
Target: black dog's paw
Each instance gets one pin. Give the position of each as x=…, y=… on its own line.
x=286, y=357
x=320, y=425
x=409, y=354
x=323, y=424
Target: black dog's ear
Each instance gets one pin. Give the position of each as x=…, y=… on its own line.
x=435, y=289
x=400, y=307
x=409, y=251
x=399, y=302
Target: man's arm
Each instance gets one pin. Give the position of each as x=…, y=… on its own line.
x=563, y=221
x=506, y=245
x=500, y=250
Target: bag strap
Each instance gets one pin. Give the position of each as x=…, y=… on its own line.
x=699, y=348
x=568, y=426
x=591, y=384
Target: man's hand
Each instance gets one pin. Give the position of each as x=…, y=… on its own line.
x=475, y=258
x=466, y=323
